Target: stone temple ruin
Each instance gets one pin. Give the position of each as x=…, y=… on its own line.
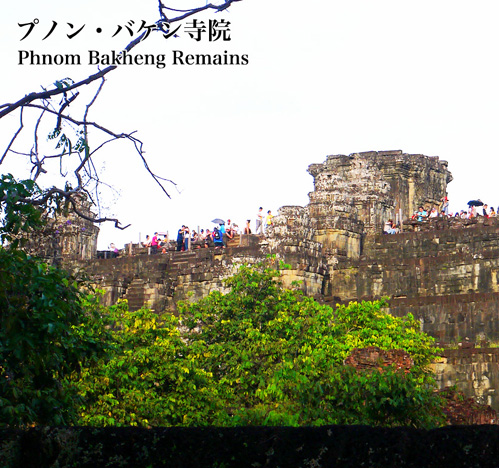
x=67, y=237
x=443, y=271
x=352, y=199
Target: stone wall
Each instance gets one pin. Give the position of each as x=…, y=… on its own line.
x=293, y=240
x=159, y=281
x=475, y=372
x=330, y=244
x=446, y=278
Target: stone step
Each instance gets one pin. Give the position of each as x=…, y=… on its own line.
x=233, y=242
x=135, y=294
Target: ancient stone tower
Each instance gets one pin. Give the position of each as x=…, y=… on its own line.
x=67, y=237
x=374, y=186
x=353, y=197
x=78, y=236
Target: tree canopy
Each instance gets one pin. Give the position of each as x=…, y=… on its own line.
x=49, y=327
x=48, y=330
x=261, y=355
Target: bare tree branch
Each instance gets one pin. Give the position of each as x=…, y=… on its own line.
x=137, y=143
x=21, y=125
x=37, y=164
x=53, y=92
x=83, y=170
x=193, y=11
x=69, y=196
x=138, y=146
x=67, y=102
x=68, y=118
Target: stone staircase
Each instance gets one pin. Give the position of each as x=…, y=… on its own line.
x=135, y=294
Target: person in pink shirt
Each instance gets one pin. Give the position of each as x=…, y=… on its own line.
x=154, y=243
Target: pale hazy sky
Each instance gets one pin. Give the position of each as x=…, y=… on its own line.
x=336, y=77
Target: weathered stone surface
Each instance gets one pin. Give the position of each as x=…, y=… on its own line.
x=375, y=186
x=160, y=280
x=67, y=237
x=331, y=244
x=460, y=410
x=474, y=371
x=374, y=358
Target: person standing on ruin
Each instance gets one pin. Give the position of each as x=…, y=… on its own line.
x=209, y=239
x=444, y=205
x=268, y=221
x=218, y=239
x=114, y=250
x=147, y=244
x=187, y=238
x=154, y=244
x=259, y=221
x=180, y=238
x=229, y=231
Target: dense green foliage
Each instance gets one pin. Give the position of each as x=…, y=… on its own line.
x=48, y=328
x=45, y=334
x=260, y=354
x=25, y=208
x=279, y=357
x=17, y=216
x=149, y=379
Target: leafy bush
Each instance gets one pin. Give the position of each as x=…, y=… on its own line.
x=260, y=355
x=278, y=357
x=151, y=378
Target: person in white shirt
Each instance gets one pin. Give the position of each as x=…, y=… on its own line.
x=433, y=213
x=259, y=221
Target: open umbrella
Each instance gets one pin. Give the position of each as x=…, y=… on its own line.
x=218, y=221
x=475, y=203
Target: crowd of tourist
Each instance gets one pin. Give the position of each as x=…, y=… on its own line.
x=218, y=237
x=475, y=208
x=221, y=234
